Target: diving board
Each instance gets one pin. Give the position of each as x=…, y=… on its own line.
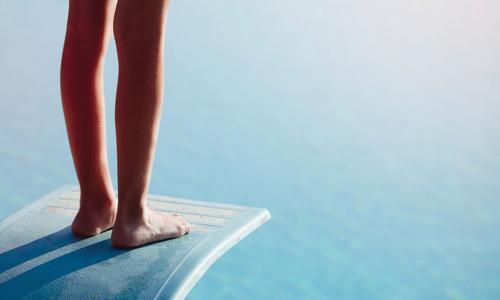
x=41, y=259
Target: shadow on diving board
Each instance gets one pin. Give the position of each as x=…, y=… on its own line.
x=40, y=258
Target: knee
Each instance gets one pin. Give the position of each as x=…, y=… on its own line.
x=89, y=20
x=84, y=41
x=85, y=33
x=140, y=22
x=132, y=31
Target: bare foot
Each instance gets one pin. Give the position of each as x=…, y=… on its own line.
x=92, y=220
x=153, y=226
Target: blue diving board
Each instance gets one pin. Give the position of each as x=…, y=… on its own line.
x=41, y=259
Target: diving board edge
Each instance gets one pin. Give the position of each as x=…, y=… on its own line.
x=199, y=260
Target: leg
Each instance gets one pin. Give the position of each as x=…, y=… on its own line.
x=87, y=33
x=139, y=34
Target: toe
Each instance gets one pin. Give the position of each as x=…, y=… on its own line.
x=180, y=229
x=186, y=227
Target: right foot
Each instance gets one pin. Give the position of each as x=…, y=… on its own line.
x=152, y=227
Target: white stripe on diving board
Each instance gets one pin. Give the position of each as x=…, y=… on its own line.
x=75, y=194
x=178, y=208
x=213, y=220
x=192, y=220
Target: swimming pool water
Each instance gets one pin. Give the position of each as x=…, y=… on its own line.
x=369, y=130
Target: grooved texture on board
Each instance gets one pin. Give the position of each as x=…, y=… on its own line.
x=40, y=258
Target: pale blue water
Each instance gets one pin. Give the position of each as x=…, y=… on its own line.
x=370, y=129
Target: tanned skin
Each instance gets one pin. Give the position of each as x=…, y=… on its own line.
x=139, y=30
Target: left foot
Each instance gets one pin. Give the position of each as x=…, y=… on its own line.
x=94, y=219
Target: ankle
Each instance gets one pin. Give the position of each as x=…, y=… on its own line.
x=97, y=190
x=131, y=214
x=93, y=202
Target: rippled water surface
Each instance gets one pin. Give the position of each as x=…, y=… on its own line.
x=369, y=129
